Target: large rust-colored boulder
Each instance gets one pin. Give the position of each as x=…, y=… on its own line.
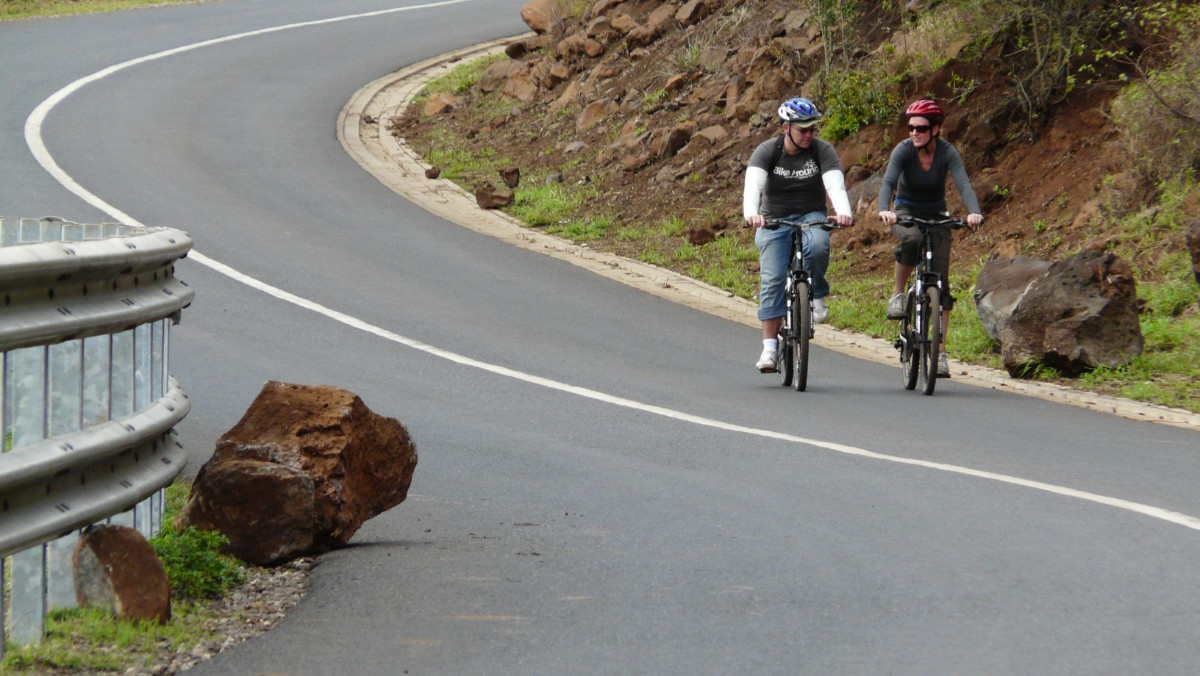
x=300, y=473
x=115, y=568
x=1080, y=314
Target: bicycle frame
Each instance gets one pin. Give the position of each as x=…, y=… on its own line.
x=920, y=331
x=796, y=330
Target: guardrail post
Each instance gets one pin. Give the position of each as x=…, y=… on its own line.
x=79, y=389
x=29, y=595
x=29, y=384
x=65, y=415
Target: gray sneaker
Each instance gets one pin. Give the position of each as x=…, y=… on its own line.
x=820, y=311
x=895, y=306
x=943, y=370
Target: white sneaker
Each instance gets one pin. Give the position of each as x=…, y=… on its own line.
x=895, y=306
x=820, y=311
x=767, y=361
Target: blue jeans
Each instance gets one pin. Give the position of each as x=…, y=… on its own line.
x=774, y=252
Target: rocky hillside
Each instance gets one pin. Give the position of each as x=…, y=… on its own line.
x=643, y=113
x=657, y=105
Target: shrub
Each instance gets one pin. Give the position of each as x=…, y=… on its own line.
x=1159, y=116
x=853, y=99
x=195, y=566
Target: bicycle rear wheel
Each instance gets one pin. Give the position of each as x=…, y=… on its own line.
x=931, y=339
x=801, y=330
x=910, y=350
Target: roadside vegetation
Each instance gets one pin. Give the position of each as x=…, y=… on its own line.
x=92, y=640
x=1141, y=57
x=28, y=9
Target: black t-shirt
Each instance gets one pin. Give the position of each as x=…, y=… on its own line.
x=794, y=184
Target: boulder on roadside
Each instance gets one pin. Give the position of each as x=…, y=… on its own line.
x=300, y=473
x=1001, y=285
x=1081, y=313
x=116, y=568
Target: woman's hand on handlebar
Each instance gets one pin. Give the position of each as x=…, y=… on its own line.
x=974, y=220
x=888, y=217
x=755, y=221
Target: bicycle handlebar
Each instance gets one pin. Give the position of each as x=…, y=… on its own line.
x=926, y=223
x=774, y=223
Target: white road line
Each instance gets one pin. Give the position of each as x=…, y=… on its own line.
x=33, y=137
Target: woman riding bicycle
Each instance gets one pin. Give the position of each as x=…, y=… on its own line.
x=916, y=175
x=788, y=177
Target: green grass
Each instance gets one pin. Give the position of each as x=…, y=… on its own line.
x=92, y=639
x=462, y=77
x=549, y=204
x=28, y=9
x=89, y=640
x=587, y=230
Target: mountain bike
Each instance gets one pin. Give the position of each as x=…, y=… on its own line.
x=921, y=329
x=797, y=328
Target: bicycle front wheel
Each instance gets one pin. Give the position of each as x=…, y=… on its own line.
x=931, y=339
x=910, y=348
x=786, y=354
x=801, y=330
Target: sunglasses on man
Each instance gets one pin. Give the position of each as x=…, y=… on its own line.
x=919, y=128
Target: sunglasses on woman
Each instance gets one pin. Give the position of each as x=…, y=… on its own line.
x=919, y=128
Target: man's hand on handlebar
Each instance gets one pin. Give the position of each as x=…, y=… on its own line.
x=843, y=220
x=974, y=220
x=755, y=221
x=888, y=217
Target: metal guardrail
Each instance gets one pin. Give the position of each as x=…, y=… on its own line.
x=87, y=406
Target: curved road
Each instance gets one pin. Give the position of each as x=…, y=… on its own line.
x=605, y=485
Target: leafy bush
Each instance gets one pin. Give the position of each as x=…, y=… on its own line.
x=195, y=566
x=1159, y=116
x=1045, y=45
x=853, y=99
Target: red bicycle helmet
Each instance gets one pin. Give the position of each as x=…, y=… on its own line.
x=927, y=109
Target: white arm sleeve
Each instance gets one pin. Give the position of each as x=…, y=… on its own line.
x=756, y=181
x=835, y=185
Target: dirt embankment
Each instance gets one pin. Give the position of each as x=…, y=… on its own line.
x=658, y=106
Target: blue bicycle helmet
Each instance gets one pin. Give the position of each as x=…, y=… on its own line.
x=800, y=112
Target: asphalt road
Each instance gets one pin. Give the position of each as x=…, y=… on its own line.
x=605, y=483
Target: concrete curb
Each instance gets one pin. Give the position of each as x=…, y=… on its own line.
x=361, y=128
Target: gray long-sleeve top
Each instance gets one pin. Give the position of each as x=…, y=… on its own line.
x=925, y=191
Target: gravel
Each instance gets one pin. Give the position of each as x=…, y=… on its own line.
x=248, y=611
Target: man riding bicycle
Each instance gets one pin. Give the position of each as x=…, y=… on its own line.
x=789, y=177
x=916, y=174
